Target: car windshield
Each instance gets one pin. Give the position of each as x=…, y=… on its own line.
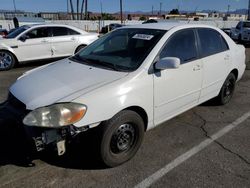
x=246, y=24
x=120, y=50
x=17, y=32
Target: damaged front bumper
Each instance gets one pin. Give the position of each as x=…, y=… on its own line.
x=40, y=138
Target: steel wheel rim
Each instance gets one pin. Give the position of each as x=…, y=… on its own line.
x=5, y=60
x=228, y=90
x=123, y=138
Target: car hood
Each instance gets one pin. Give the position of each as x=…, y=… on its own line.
x=51, y=83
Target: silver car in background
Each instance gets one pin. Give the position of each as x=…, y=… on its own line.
x=42, y=41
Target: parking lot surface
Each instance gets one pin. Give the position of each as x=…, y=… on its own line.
x=225, y=162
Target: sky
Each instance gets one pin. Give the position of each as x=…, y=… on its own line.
x=128, y=5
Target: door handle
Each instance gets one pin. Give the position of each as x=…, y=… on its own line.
x=73, y=38
x=197, y=68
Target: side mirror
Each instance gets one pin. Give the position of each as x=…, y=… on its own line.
x=168, y=63
x=23, y=38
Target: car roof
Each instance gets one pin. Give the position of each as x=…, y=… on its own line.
x=44, y=25
x=54, y=25
x=169, y=25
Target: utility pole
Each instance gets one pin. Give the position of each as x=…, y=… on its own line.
x=86, y=9
x=121, y=13
x=14, y=3
x=160, y=7
x=152, y=10
x=67, y=6
x=101, y=9
x=82, y=7
x=248, y=18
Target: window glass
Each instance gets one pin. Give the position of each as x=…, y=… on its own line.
x=59, y=31
x=72, y=32
x=211, y=42
x=38, y=33
x=181, y=45
x=123, y=49
x=246, y=24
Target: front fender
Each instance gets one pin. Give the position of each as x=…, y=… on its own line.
x=6, y=47
x=105, y=102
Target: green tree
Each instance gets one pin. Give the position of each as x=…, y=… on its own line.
x=142, y=18
x=174, y=11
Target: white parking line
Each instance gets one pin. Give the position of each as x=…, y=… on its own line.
x=179, y=160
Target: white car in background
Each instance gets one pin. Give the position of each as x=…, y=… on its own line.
x=125, y=83
x=36, y=42
x=241, y=32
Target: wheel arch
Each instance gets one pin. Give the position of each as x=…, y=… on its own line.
x=79, y=46
x=139, y=110
x=5, y=50
x=236, y=73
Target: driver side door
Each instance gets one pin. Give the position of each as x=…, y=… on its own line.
x=37, y=45
x=176, y=90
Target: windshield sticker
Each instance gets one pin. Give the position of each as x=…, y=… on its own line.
x=143, y=36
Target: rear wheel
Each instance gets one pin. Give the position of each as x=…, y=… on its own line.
x=7, y=60
x=227, y=90
x=121, y=138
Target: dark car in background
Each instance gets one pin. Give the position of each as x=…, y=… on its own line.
x=227, y=31
x=110, y=27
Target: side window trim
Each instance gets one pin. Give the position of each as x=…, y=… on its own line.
x=196, y=45
x=224, y=40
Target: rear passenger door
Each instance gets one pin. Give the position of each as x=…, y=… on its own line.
x=215, y=55
x=64, y=41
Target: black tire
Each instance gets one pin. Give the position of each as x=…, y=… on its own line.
x=7, y=60
x=227, y=90
x=121, y=138
x=79, y=48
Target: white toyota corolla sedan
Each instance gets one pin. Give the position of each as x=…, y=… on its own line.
x=42, y=41
x=125, y=83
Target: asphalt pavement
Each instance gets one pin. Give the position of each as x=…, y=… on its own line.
x=171, y=154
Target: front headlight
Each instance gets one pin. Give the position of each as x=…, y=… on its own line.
x=56, y=115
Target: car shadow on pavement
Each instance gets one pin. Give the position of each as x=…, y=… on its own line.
x=16, y=150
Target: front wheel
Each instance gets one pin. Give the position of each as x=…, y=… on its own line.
x=227, y=90
x=7, y=60
x=79, y=48
x=121, y=138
